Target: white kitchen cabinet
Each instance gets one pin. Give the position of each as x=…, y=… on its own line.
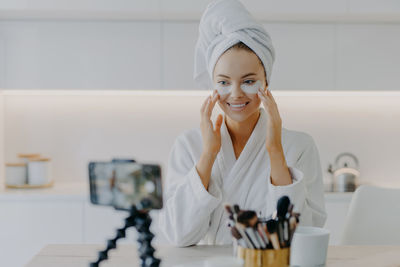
x=367, y=57
x=183, y=9
x=80, y=9
x=101, y=223
x=305, y=56
x=27, y=225
x=263, y=9
x=178, y=55
x=373, y=6
x=61, y=54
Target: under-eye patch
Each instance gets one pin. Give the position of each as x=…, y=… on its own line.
x=223, y=89
x=247, y=88
x=251, y=88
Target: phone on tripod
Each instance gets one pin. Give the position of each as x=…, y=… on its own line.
x=125, y=184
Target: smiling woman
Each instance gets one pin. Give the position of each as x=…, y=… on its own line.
x=247, y=158
x=239, y=67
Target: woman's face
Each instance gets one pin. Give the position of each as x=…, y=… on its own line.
x=237, y=67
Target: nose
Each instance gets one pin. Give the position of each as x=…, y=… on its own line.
x=236, y=91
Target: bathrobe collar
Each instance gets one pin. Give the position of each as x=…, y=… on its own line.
x=233, y=170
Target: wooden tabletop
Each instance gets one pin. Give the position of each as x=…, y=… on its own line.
x=126, y=255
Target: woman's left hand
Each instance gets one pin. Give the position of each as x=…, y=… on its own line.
x=274, y=122
x=280, y=174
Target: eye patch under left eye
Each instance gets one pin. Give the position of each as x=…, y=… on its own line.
x=251, y=88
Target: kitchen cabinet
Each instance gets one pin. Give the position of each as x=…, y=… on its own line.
x=100, y=223
x=80, y=54
x=178, y=55
x=310, y=69
x=377, y=59
x=27, y=225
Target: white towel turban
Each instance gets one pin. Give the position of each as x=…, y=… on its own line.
x=223, y=24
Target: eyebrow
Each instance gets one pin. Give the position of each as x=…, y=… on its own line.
x=248, y=74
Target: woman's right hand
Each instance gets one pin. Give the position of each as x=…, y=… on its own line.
x=211, y=137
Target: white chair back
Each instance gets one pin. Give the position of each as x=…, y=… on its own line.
x=373, y=217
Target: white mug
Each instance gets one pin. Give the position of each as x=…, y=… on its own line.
x=309, y=246
x=39, y=172
x=15, y=173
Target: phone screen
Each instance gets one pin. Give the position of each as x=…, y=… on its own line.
x=123, y=184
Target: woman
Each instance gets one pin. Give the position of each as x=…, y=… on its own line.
x=247, y=158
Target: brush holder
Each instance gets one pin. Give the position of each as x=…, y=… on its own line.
x=265, y=257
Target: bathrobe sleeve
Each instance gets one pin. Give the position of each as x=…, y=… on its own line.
x=306, y=191
x=185, y=217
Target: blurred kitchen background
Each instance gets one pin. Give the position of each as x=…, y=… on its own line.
x=92, y=80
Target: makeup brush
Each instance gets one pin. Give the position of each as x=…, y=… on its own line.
x=282, y=206
x=239, y=235
x=297, y=216
x=283, y=222
x=292, y=225
x=261, y=231
x=253, y=237
x=235, y=233
x=259, y=234
x=248, y=218
x=228, y=208
x=265, y=230
x=242, y=230
x=290, y=209
x=236, y=208
x=272, y=231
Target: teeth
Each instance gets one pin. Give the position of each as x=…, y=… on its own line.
x=238, y=106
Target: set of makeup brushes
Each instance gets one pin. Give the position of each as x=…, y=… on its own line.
x=274, y=232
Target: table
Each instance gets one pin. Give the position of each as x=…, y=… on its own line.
x=81, y=254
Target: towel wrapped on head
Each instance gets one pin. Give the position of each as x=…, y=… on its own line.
x=223, y=24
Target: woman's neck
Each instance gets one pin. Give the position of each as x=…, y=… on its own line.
x=240, y=131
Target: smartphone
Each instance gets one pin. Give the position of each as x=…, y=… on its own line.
x=124, y=184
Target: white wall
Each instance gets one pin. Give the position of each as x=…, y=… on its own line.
x=77, y=54
x=73, y=128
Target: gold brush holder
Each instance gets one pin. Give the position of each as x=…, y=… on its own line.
x=265, y=257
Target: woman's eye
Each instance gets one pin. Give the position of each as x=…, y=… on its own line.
x=249, y=81
x=222, y=82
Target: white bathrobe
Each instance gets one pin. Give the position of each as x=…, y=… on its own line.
x=192, y=215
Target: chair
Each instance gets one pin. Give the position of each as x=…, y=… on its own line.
x=373, y=217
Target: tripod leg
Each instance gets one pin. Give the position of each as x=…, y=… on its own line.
x=146, y=250
x=112, y=243
x=141, y=221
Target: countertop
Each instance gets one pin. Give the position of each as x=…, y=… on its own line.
x=126, y=255
x=80, y=191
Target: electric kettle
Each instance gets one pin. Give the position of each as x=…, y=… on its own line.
x=345, y=173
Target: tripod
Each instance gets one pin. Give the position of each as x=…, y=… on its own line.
x=141, y=220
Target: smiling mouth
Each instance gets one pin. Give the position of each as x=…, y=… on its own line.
x=238, y=105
